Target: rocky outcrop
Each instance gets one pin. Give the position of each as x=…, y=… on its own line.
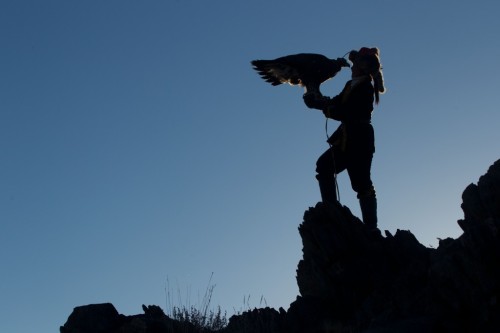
x=103, y=318
x=352, y=279
x=358, y=277
x=365, y=282
x=98, y=318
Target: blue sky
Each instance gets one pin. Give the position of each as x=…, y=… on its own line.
x=138, y=145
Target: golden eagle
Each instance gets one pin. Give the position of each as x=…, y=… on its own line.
x=308, y=70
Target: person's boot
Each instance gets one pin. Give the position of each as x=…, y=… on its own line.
x=327, y=189
x=368, y=206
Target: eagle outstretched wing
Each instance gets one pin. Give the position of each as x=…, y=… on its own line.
x=309, y=70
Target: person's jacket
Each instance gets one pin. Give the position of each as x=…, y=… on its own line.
x=353, y=107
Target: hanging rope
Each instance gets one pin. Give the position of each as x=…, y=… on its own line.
x=333, y=159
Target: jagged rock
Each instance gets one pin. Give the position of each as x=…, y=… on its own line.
x=366, y=282
x=103, y=318
x=352, y=279
x=465, y=273
x=265, y=320
x=97, y=318
x=355, y=273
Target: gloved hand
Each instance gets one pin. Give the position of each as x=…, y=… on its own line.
x=315, y=100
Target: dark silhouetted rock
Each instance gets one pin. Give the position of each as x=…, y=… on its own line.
x=103, y=318
x=366, y=282
x=352, y=279
x=97, y=318
x=265, y=320
x=354, y=274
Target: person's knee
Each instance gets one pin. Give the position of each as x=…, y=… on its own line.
x=324, y=167
x=325, y=177
x=322, y=171
x=366, y=192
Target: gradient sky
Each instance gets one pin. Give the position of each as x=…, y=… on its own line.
x=137, y=145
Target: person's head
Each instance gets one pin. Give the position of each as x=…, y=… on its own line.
x=366, y=61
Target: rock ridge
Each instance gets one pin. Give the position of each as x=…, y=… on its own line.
x=352, y=279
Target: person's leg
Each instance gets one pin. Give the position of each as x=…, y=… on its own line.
x=359, y=170
x=331, y=162
x=368, y=205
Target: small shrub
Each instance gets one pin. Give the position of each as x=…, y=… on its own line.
x=211, y=320
x=203, y=318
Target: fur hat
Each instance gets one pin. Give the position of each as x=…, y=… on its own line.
x=368, y=59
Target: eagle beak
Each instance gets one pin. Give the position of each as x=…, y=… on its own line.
x=343, y=62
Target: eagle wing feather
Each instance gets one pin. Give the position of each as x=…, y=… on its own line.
x=305, y=69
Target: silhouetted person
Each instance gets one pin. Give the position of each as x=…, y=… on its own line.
x=352, y=145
